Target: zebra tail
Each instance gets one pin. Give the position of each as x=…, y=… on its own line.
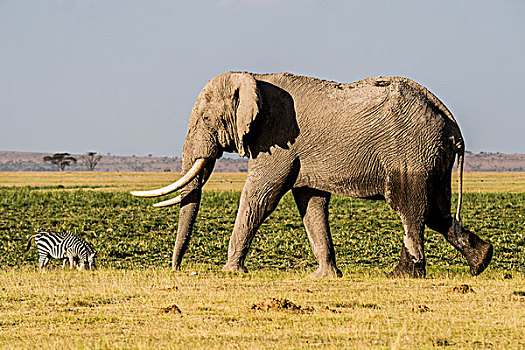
x=29, y=243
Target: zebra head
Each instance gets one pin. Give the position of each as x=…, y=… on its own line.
x=91, y=261
x=88, y=259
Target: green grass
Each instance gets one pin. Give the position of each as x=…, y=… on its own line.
x=127, y=232
x=132, y=300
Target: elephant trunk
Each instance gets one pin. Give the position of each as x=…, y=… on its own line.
x=196, y=172
x=190, y=198
x=188, y=212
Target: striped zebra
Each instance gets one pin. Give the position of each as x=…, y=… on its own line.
x=64, y=246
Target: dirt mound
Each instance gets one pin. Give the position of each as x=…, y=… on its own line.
x=172, y=309
x=354, y=304
x=421, y=308
x=461, y=289
x=169, y=289
x=279, y=305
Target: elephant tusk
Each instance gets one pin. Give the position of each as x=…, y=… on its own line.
x=183, y=181
x=172, y=201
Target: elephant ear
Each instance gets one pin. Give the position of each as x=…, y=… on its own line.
x=247, y=103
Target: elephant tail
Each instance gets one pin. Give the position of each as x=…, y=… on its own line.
x=461, y=159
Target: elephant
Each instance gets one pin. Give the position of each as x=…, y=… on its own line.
x=385, y=138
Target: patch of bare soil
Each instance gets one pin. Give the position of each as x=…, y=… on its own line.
x=461, y=289
x=330, y=309
x=442, y=342
x=172, y=309
x=354, y=304
x=421, y=308
x=279, y=305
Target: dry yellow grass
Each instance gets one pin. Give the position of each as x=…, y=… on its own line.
x=473, y=181
x=115, y=180
x=512, y=182
x=364, y=310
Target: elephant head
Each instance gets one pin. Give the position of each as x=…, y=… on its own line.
x=220, y=120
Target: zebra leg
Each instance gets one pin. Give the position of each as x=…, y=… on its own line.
x=42, y=262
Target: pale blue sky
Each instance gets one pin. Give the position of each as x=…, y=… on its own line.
x=122, y=76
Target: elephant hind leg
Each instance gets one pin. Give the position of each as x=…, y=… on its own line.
x=476, y=251
x=408, y=197
x=313, y=207
x=412, y=261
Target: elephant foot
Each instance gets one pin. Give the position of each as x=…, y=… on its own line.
x=479, y=257
x=408, y=268
x=414, y=271
x=326, y=272
x=175, y=268
x=477, y=252
x=234, y=268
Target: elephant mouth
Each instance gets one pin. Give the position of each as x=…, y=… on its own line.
x=194, y=171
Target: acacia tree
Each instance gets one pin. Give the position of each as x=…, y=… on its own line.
x=91, y=160
x=61, y=160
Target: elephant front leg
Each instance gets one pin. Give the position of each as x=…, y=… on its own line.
x=258, y=200
x=313, y=207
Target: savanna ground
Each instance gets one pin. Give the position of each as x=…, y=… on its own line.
x=134, y=300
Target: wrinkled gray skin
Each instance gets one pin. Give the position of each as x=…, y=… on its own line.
x=382, y=138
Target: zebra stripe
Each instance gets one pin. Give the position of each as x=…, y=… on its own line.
x=66, y=246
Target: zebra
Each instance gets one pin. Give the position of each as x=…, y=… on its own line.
x=64, y=246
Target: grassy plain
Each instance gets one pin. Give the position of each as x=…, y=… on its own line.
x=112, y=181
x=134, y=308
x=126, y=303
x=511, y=182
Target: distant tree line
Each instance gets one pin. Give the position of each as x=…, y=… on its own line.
x=61, y=160
x=91, y=160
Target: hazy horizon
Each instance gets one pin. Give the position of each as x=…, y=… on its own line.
x=121, y=77
x=225, y=155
